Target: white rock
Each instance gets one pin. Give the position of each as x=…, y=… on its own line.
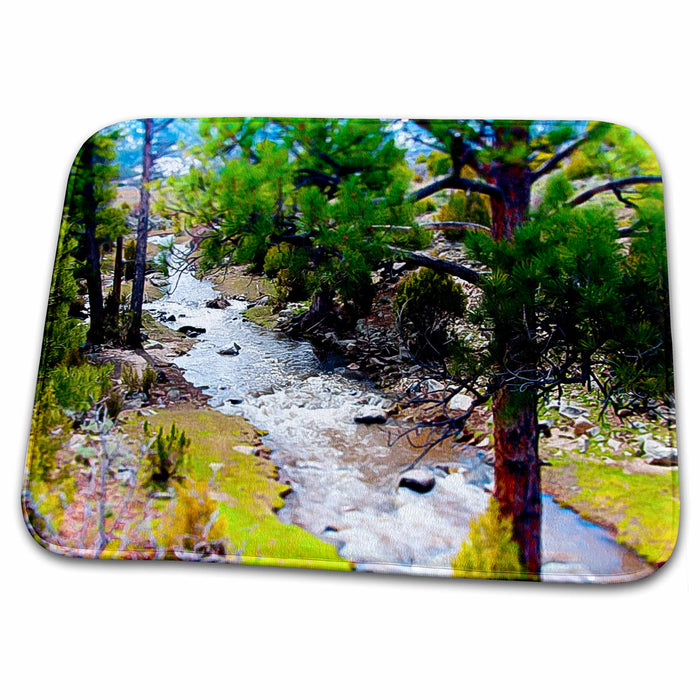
x=460, y=402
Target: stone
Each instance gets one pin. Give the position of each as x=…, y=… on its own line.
x=245, y=449
x=460, y=402
x=135, y=400
x=173, y=394
x=371, y=414
x=418, y=480
x=218, y=303
x=232, y=350
x=431, y=386
x=484, y=442
x=191, y=331
x=582, y=424
x=583, y=443
x=614, y=445
x=398, y=266
x=545, y=428
x=594, y=432
x=658, y=453
x=573, y=411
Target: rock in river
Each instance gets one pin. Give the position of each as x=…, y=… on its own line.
x=218, y=303
x=419, y=480
x=371, y=414
x=230, y=350
x=191, y=331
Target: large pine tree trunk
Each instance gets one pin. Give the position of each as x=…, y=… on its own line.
x=508, y=214
x=134, y=335
x=93, y=275
x=517, y=469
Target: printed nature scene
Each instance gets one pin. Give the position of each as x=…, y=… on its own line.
x=403, y=346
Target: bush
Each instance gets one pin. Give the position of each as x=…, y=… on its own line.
x=47, y=434
x=425, y=302
x=78, y=388
x=471, y=207
x=168, y=455
x=139, y=382
x=490, y=551
x=129, y=258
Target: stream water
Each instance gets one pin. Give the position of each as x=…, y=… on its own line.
x=344, y=476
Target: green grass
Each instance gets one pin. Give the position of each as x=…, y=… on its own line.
x=642, y=508
x=246, y=488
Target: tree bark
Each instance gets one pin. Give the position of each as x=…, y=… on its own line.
x=510, y=212
x=517, y=470
x=112, y=309
x=134, y=335
x=93, y=275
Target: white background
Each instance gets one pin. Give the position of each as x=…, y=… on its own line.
x=79, y=629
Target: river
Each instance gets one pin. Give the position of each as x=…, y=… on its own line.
x=344, y=476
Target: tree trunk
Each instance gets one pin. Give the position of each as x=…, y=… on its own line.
x=93, y=275
x=134, y=335
x=114, y=301
x=508, y=214
x=517, y=470
x=118, y=270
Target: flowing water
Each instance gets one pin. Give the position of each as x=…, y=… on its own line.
x=344, y=476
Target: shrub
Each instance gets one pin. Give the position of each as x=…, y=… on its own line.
x=424, y=304
x=460, y=206
x=139, y=382
x=129, y=258
x=490, y=551
x=168, y=455
x=194, y=523
x=47, y=433
x=79, y=387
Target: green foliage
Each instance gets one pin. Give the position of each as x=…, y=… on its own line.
x=112, y=224
x=490, y=551
x=288, y=265
x=136, y=381
x=79, y=387
x=425, y=301
x=564, y=294
x=461, y=206
x=129, y=259
x=63, y=332
x=47, y=434
x=168, y=456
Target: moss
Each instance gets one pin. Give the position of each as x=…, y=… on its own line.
x=642, y=509
x=246, y=487
x=261, y=315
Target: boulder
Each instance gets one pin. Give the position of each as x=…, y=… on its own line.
x=218, y=303
x=573, y=412
x=614, y=445
x=583, y=443
x=230, y=350
x=460, y=402
x=658, y=453
x=191, y=331
x=582, y=425
x=371, y=414
x=418, y=480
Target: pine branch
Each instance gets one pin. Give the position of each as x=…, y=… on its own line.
x=438, y=265
x=611, y=187
x=557, y=158
x=457, y=183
